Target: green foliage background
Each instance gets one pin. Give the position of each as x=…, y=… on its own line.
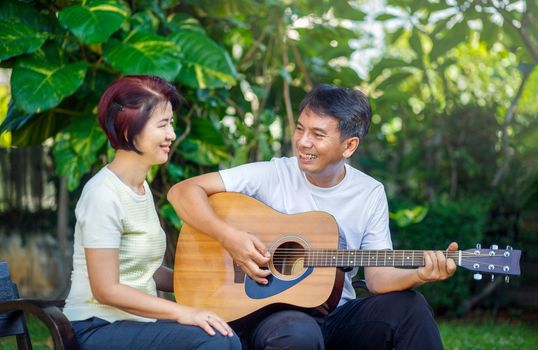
x=453, y=90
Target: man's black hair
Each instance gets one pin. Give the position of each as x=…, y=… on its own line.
x=350, y=106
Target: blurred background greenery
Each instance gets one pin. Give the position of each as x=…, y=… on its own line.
x=453, y=85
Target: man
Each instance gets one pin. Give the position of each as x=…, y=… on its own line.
x=332, y=123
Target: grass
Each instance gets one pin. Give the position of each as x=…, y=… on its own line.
x=457, y=335
x=488, y=334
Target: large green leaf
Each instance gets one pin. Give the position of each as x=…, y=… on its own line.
x=76, y=149
x=93, y=22
x=40, y=81
x=206, y=64
x=17, y=38
x=144, y=53
x=26, y=13
x=39, y=128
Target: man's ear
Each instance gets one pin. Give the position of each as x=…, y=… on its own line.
x=351, y=144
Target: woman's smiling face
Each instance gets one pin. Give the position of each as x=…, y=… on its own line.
x=155, y=139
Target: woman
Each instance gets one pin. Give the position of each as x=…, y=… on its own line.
x=119, y=244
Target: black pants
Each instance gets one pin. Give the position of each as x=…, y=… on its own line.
x=398, y=320
x=97, y=334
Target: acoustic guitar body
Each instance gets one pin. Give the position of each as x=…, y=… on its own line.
x=205, y=275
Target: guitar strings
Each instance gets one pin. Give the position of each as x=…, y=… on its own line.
x=395, y=263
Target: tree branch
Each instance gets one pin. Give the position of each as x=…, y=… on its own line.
x=286, y=90
x=300, y=64
x=508, y=116
x=487, y=290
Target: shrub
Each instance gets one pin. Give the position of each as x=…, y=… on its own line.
x=461, y=221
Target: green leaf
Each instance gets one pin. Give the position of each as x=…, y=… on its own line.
x=490, y=32
x=169, y=214
x=144, y=53
x=394, y=80
x=206, y=64
x=76, y=149
x=202, y=152
x=17, y=38
x=342, y=9
x=386, y=63
x=207, y=130
x=415, y=43
x=181, y=21
x=175, y=171
x=453, y=37
x=226, y=9
x=385, y=17
x=93, y=22
x=25, y=13
x=145, y=22
x=205, y=144
x=15, y=118
x=406, y=217
x=39, y=128
x=40, y=81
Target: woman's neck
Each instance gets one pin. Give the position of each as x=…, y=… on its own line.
x=130, y=170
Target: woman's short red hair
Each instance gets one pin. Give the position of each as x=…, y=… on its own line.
x=128, y=103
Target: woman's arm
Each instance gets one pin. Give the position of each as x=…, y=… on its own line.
x=103, y=273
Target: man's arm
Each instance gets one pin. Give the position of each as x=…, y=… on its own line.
x=190, y=200
x=389, y=279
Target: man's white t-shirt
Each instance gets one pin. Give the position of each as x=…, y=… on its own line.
x=358, y=202
x=111, y=215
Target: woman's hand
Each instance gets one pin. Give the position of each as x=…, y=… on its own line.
x=207, y=320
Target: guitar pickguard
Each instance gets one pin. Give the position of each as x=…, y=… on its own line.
x=275, y=286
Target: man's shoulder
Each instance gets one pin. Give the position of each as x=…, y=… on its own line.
x=365, y=179
x=289, y=162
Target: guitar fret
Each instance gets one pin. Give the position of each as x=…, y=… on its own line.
x=357, y=257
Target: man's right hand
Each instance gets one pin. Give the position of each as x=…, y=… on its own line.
x=249, y=253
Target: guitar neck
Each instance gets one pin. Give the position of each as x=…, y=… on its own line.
x=355, y=258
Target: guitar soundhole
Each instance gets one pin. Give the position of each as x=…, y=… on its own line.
x=289, y=259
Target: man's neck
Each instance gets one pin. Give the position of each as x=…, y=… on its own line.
x=329, y=178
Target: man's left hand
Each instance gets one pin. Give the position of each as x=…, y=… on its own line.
x=437, y=266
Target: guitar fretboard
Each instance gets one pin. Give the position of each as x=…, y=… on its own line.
x=354, y=258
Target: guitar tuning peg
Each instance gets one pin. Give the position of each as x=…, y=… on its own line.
x=478, y=246
x=508, y=247
x=492, y=278
x=506, y=279
x=494, y=247
x=477, y=276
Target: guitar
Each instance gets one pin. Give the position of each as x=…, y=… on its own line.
x=304, y=262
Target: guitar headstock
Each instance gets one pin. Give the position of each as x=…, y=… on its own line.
x=492, y=260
